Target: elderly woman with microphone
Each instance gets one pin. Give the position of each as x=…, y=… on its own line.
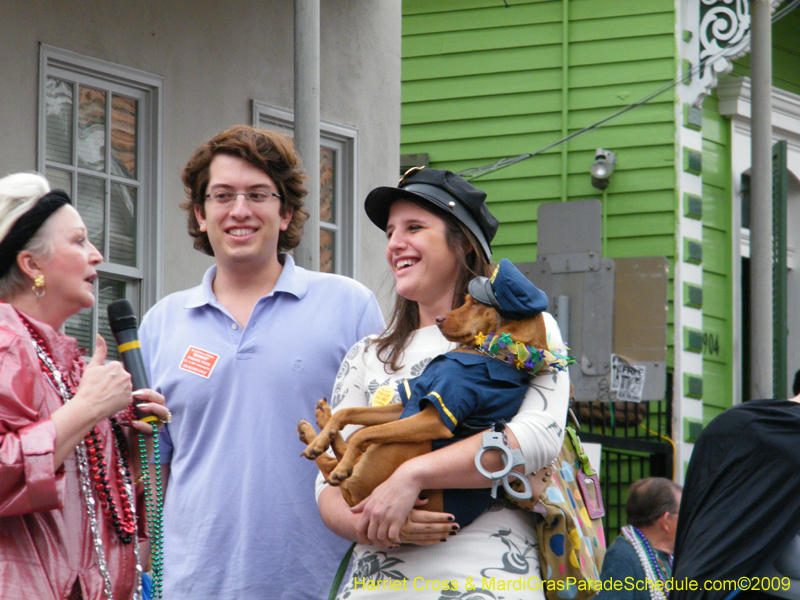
x=69, y=526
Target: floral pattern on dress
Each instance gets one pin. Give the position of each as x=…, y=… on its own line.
x=373, y=386
x=543, y=385
x=375, y=566
x=347, y=367
x=417, y=369
x=537, y=384
x=515, y=561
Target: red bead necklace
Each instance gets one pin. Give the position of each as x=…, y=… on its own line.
x=125, y=523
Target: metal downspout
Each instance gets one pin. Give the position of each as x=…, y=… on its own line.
x=605, y=229
x=761, y=201
x=564, y=96
x=306, y=121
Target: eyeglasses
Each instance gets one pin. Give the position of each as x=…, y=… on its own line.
x=255, y=197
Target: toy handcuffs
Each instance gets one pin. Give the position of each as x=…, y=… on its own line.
x=497, y=440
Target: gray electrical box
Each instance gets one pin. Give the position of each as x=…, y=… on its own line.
x=617, y=309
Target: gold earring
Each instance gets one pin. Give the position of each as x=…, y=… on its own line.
x=38, y=286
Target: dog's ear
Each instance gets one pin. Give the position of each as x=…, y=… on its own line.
x=528, y=331
x=484, y=317
x=466, y=321
x=471, y=310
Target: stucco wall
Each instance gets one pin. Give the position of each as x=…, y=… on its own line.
x=215, y=57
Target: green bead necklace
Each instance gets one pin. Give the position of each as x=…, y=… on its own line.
x=154, y=507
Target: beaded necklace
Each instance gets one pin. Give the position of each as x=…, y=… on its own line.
x=653, y=568
x=517, y=354
x=155, y=512
x=91, y=468
x=154, y=504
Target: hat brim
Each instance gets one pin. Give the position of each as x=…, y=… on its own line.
x=480, y=288
x=379, y=201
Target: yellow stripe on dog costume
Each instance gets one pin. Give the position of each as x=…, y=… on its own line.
x=444, y=408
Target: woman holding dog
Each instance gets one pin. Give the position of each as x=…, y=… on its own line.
x=438, y=239
x=67, y=523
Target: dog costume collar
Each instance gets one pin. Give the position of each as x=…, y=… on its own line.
x=519, y=355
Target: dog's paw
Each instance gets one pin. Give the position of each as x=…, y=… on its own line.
x=337, y=477
x=309, y=454
x=322, y=412
x=318, y=444
x=306, y=432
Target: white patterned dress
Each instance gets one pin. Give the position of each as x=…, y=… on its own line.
x=496, y=556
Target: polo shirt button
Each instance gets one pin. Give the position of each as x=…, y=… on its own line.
x=234, y=326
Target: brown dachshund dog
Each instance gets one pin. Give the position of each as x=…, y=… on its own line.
x=373, y=452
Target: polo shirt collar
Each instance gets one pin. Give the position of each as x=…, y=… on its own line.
x=293, y=280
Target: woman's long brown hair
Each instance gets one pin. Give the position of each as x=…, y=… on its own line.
x=404, y=320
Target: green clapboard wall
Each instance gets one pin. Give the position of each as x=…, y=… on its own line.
x=482, y=81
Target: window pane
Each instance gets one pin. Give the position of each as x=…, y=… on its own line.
x=93, y=117
x=92, y=129
x=91, y=206
x=80, y=327
x=123, y=136
x=327, y=202
x=59, y=180
x=110, y=290
x=122, y=234
x=58, y=106
x=327, y=251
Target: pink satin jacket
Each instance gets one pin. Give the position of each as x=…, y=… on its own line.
x=45, y=537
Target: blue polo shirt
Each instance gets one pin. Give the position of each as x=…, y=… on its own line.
x=471, y=391
x=240, y=518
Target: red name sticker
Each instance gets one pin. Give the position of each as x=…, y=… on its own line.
x=199, y=362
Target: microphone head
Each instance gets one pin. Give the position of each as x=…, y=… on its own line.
x=121, y=316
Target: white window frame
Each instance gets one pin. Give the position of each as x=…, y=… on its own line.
x=343, y=140
x=148, y=88
x=735, y=97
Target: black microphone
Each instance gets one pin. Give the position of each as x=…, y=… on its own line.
x=124, y=327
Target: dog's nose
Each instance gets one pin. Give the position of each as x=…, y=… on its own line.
x=440, y=319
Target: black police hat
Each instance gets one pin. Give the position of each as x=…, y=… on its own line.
x=444, y=189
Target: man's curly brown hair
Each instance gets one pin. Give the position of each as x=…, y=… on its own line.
x=273, y=153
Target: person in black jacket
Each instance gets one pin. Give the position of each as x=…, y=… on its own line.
x=740, y=510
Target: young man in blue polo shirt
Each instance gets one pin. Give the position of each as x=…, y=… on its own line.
x=241, y=359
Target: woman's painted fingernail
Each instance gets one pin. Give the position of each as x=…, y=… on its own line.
x=138, y=394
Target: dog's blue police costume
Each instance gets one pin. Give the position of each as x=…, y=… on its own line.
x=474, y=392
